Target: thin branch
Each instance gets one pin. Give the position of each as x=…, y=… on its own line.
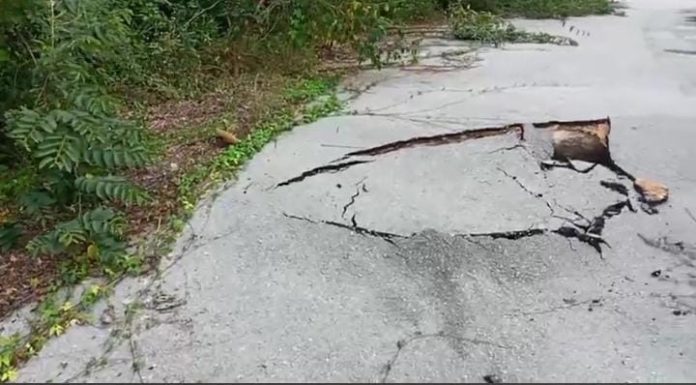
x=200, y=13
x=26, y=45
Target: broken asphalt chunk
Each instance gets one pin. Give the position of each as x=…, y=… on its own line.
x=652, y=192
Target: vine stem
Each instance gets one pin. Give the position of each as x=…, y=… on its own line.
x=52, y=4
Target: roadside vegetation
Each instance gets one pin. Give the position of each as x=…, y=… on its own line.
x=116, y=115
x=541, y=9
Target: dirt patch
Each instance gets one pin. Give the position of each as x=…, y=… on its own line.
x=24, y=279
x=175, y=115
x=189, y=130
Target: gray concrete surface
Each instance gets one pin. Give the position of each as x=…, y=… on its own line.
x=414, y=266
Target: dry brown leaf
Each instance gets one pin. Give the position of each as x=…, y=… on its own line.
x=227, y=137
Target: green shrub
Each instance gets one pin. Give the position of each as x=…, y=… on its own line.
x=486, y=27
x=467, y=24
x=70, y=133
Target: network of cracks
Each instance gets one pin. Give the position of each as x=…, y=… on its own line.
x=580, y=146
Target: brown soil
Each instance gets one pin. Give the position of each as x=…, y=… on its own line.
x=24, y=279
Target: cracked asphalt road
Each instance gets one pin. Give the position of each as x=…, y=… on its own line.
x=444, y=258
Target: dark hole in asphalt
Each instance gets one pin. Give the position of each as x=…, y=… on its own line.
x=583, y=140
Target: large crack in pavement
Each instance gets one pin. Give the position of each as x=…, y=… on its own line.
x=332, y=168
x=434, y=140
x=552, y=144
x=583, y=140
x=439, y=140
x=589, y=234
x=388, y=237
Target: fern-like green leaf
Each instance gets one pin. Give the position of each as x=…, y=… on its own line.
x=9, y=235
x=71, y=233
x=46, y=244
x=112, y=188
x=29, y=127
x=116, y=157
x=101, y=227
x=58, y=151
x=102, y=221
x=35, y=201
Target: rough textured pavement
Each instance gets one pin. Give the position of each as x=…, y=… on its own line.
x=440, y=259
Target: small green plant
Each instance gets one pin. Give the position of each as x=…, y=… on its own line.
x=326, y=107
x=111, y=188
x=97, y=232
x=8, y=346
x=73, y=270
x=304, y=90
x=92, y=294
x=468, y=24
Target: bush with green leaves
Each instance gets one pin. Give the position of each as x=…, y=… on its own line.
x=70, y=134
x=488, y=28
x=468, y=24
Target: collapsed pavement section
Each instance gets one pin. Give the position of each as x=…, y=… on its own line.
x=579, y=146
